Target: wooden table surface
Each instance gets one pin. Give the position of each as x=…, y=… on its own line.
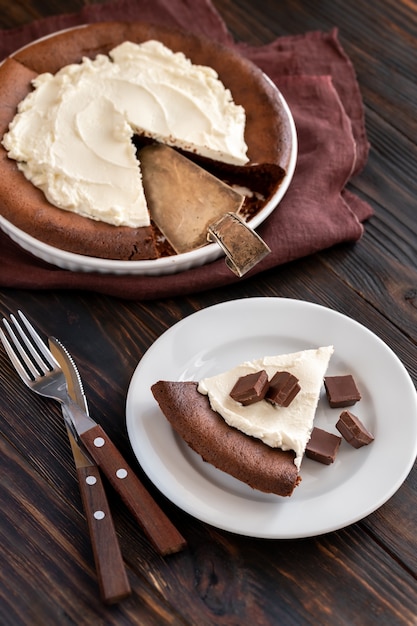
x=365, y=573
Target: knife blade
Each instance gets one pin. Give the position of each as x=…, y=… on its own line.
x=160, y=531
x=112, y=577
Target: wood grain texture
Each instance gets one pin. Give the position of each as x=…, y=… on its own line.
x=363, y=574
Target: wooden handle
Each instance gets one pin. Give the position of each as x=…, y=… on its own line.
x=111, y=572
x=158, y=528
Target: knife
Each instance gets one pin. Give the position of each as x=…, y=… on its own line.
x=161, y=532
x=113, y=581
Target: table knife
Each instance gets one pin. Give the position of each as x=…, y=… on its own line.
x=113, y=581
x=160, y=531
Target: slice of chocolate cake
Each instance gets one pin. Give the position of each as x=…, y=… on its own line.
x=259, y=443
x=267, y=469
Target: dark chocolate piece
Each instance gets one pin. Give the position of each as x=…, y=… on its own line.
x=323, y=446
x=341, y=391
x=352, y=429
x=250, y=388
x=283, y=387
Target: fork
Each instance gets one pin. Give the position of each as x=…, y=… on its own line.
x=42, y=375
x=39, y=370
x=111, y=572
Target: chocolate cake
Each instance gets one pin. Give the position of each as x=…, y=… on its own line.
x=267, y=469
x=267, y=134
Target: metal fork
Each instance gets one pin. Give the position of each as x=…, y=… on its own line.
x=43, y=375
x=37, y=368
x=40, y=372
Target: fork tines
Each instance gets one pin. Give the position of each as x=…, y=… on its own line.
x=29, y=356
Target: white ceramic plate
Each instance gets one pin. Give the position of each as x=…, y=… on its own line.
x=156, y=267
x=329, y=497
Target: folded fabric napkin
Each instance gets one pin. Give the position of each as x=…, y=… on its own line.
x=317, y=80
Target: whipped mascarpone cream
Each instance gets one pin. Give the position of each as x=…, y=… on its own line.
x=72, y=135
x=288, y=428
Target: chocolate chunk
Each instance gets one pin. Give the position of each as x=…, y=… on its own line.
x=283, y=387
x=250, y=388
x=323, y=446
x=341, y=391
x=352, y=429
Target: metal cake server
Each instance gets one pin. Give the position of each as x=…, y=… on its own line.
x=201, y=208
x=242, y=246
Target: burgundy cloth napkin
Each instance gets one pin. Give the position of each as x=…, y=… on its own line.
x=317, y=80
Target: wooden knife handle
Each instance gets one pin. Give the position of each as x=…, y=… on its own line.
x=111, y=572
x=161, y=532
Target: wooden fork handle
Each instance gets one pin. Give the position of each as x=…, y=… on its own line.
x=161, y=532
x=111, y=573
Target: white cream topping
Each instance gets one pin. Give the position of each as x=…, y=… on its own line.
x=72, y=134
x=288, y=428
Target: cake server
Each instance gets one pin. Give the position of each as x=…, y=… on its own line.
x=190, y=206
x=242, y=246
x=111, y=572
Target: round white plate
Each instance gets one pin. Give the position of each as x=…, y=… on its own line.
x=155, y=267
x=329, y=497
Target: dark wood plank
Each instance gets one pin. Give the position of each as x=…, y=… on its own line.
x=48, y=561
x=221, y=570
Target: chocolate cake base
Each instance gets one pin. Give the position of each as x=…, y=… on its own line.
x=267, y=134
x=267, y=469
x=25, y=206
